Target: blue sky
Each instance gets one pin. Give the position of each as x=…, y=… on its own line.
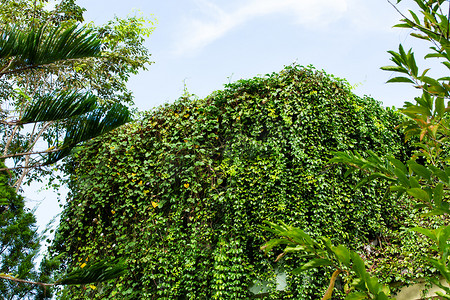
x=207, y=43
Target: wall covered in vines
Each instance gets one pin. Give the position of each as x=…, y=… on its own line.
x=182, y=192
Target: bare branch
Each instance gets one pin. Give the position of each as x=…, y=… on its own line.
x=50, y=150
x=11, y=137
x=2, y=72
x=23, y=167
x=11, y=278
x=24, y=173
x=7, y=66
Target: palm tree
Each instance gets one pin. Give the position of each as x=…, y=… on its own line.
x=63, y=117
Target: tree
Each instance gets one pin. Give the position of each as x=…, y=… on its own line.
x=79, y=111
x=19, y=241
x=424, y=178
x=104, y=75
x=75, y=112
x=60, y=84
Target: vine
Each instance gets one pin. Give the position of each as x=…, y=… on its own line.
x=181, y=192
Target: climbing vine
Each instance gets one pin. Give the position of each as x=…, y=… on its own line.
x=181, y=193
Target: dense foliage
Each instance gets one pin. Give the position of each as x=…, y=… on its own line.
x=424, y=178
x=181, y=193
x=19, y=242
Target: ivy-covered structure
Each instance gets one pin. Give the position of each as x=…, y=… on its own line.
x=182, y=192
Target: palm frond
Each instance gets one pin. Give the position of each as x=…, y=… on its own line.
x=41, y=46
x=88, y=126
x=58, y=105
x=98, y=272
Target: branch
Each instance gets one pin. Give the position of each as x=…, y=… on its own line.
x=23, y=167
x=11, y=278
x=418, y=26
x=7, y=66
x=19, y=70
x=24, y=173
x=50, y=150
x=8, y=143
x=2, y=72
x=329, y=291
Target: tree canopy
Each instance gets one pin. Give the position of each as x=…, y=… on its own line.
x=45, y=64
x=61, y=84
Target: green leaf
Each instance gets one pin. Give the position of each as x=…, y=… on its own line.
x=413, y=14
x=419, y=194
x=373, y=285
x=58, y=105
x=412, y=64
x=443, y=269
x=435, y=55
x=299, y=236
x=420, y=36
x=358, y=265
x=98, y=272
x=274, y=227
x=398, y=164
x=400, y=79
x=32, y=47
x=342, y=254
x=88, y=126
x=314, y=263
x=397, y=188
x=414, y=182
x=402, y=25
x=427, y=232
x=394, y=69
x=440, y=106
x=419, y=170
x=436, y=89
x=416, y=109
x=356, y=296
x=442, y=236
x=298, y=248
x=273, y=243
x=439, y=174
x=402, y=178
x=381, y=296
x=438, y=193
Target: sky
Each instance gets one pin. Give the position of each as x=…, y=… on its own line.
x=204, y=44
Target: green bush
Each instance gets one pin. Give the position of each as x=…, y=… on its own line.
x=181, y=193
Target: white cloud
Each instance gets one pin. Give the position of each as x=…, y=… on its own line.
x=215, y=22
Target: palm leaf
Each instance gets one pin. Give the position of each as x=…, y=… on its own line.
x=58, y=105
x=41, y=46
x=98, y=272
x=88, y=126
